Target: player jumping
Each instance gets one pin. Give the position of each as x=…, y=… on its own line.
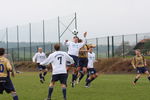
x=38, y=58
x=58, y=60
x=73, y=51
x=139, y=63
x=5, y=81
x=92, y=74
x=83, y=61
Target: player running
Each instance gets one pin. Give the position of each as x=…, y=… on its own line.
x=38, y=58
x=83, y=61
x=58, y=60
x=92, y=74
x=139, y=63
x=73, y=51
x=5, y=81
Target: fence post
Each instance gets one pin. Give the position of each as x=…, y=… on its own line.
x=58, y=29
x=108, y=49
x=123, y=48
x=13, y=54
x=97, y=48
x=113, y=53
x=136, y=38
x=43, y=36
x=7, y=39
x=24, y=53
x=30, y=40
x=18, y=40
x=76, y=27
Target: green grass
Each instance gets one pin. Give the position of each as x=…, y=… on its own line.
x=105, y=87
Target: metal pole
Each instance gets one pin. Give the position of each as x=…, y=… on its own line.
x=136, y=38
x=76, y=27
x=97, y=47
x=108, y=49
x=123, y=48
x=58, y=29
x=30, y=37
x=43, y=36
x=7, y=39
x=24, y=53
x=18, y=40
x=113, y=53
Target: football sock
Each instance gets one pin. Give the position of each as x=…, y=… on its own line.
x=74, y=77
x=87, y=77
x=92, y=80
x=44, y=74
x=88, y=81
x=50, y=91
x=40, y=75
x=149, y=78
x=136, y=79
x=15, y=97
x=80, y=78
x=64, y=93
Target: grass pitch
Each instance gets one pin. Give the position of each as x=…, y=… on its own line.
x=105, y=87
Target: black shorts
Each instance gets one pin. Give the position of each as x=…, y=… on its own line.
x=91, y=71
x=83, y=62
x=60, y=77
x=76, y=60
x=41, y=67
x=6, y=85
x=141, y=70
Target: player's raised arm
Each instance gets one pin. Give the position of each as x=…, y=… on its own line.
x=84, y=40
x=66, y=42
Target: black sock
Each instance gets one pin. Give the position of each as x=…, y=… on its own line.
x=40, y=75
x=64, y=93
x=136, y=79
x=87, y=77
x=80, y=78
x=15, y=98
x=74, y=77
x=44, y=74
x=92, y=79
x=149, y=78
x=50, y=91
x=88, y=81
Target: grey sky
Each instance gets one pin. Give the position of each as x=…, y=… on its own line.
x=98, y=17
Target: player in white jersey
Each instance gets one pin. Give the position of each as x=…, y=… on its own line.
x=92, y=74
x=73, y=51
x=58, y=60
x=39, y=57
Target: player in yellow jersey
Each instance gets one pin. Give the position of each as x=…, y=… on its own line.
x=139, y=63
x=5, y=81
x=83, y=61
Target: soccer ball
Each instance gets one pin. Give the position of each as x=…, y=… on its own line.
x=75, y=32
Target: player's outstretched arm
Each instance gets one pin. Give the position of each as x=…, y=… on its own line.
x=84, y=40
x=66, y=42
x=47, y=61
x=68, y=58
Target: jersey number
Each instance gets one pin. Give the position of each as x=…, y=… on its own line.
x=1, y=68
x=60, y=59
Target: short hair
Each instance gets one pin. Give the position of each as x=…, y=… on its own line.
x=80, y=40
x=138, y=50
x=57, y=47
x=2, y=51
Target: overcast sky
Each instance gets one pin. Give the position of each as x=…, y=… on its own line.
x=98, y=17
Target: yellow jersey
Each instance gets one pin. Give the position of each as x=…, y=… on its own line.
x=5, y=66
x=138, y=61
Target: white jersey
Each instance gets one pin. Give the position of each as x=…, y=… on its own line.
x=58, y=60
x=39, y=57
x=91, y=60
x=73, y=48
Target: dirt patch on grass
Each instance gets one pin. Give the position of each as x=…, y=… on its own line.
x=111, y=66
